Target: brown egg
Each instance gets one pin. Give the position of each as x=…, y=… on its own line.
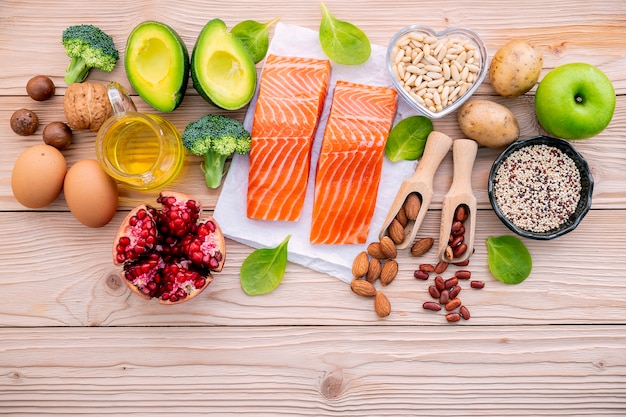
x=90, y=193
x=37, y=176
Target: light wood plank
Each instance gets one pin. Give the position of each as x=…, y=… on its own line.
x=66, y=278
x=315, y=371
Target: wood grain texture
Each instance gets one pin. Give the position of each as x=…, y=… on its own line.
x=74, y=341
x=316, y=371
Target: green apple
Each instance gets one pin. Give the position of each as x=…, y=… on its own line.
x=575, y=101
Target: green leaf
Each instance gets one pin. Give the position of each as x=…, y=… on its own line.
x=509, y=260
x=343, y=42
x=263, y=270
x=407, y=139
x=255, y=36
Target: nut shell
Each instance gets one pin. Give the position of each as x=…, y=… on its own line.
x=86, y=106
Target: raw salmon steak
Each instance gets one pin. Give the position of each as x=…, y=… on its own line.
x=350, y=162
x=291, y=98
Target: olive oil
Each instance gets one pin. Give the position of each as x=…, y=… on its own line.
x=143, y=151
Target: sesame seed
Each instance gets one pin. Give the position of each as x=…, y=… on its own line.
x=537, y=188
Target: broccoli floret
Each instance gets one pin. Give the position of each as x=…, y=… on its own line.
x=216, y=137
x=89, y=47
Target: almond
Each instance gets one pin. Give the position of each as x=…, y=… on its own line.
x=373, y=272
x=389, y=272
x=362, y=287
x=401, y=217
x=360, y=265
x=422, y=246
x=396, y=231
x=412, y=206
x=374, y=250
x=388, y=248
x=382, y=306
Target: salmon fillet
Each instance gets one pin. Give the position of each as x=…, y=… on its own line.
x=291, y=97
x=350, y=162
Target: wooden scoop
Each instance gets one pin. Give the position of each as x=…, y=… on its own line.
x=459, y=194
x=420, y=183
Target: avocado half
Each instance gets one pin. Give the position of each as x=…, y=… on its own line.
x=157, y=65
x=222, y=70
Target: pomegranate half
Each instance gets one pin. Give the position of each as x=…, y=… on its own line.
x=168, y=253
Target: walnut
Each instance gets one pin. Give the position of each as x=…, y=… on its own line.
x=87, y=106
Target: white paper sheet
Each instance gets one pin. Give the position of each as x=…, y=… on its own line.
x=230, y=211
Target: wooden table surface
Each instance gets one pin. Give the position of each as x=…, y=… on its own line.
x=75, y=341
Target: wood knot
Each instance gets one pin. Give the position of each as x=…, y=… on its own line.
x=558, y=49
x=332, y=385
x=114, y=284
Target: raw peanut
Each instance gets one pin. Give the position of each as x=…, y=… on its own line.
x=422, y=246
x=412, y=206
x=462, y=263
x=360, y=265
x=452, y=304
x=396, y=232
x=374, y=250
x=388, y=248
x=439, y=283
x=373, y=271
x=459, y=250
x=430, y=305
x=420, y=275
x=401, y=217
x=461, y=213
x=463, y=274
x=389, y=272
x=464, y=313
x=477, y=284
x=441, y=267
x=382, y=306
x=448, y=253
x=444, y=297
x=450, y=282
x=454, y=291
x=452, y=317
x=456, y=226
x=426, y=268
x=434, y=292
x=362, y=288
x=457, y=240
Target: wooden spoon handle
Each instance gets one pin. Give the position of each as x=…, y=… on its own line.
x=437, y=146
x=463, y=156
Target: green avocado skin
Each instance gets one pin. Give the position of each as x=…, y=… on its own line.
x=214, y=41
x=168, y=97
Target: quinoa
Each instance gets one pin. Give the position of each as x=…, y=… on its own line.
x=537, y=188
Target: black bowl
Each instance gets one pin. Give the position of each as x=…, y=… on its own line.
x=586, y=189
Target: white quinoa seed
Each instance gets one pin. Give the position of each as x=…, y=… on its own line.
x=537, y=188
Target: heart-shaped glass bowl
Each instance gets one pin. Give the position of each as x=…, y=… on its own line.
x=525, y=214
x=419, y=80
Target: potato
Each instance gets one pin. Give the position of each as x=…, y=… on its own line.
x=515, y=68
x=488, y=123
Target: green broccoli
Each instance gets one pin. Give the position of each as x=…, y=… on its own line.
x=216, y=137
x=89, y=47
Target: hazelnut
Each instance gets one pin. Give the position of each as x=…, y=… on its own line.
x=24, y=122
x=40, y=88
x=57, y=134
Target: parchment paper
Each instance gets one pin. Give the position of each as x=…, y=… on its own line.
x=230, y=211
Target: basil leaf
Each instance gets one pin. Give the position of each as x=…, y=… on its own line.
x=407, y=139
x=343, y=42
x=263, y=270
x=255, y=36
x=509, y=260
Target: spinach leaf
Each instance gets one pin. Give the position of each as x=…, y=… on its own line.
x=343, y=42
x=263, y=270
x=255, y=36
x=509, y=260
x=407, y=139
